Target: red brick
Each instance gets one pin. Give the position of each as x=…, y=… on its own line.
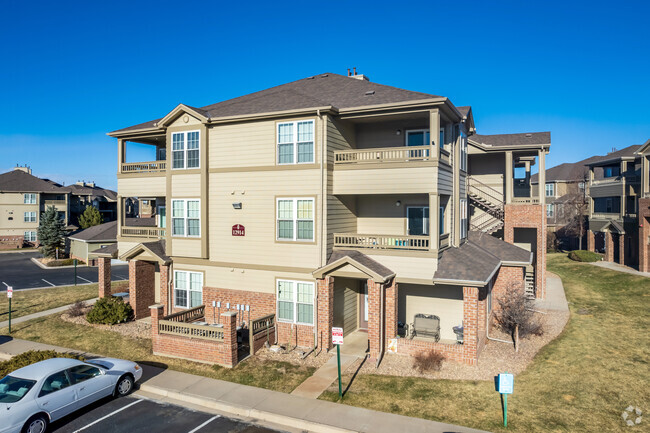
x=142, y=277
x=104, y=276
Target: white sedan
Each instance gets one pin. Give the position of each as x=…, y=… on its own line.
x=33, y=396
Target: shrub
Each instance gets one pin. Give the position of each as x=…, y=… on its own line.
x=584, y=256
x=77, y=309
x=109, y=311
x=428, y=361
x=30, y=357
x=515, y=314
x=63, y=262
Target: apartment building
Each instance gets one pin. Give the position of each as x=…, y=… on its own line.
x=23, y=197
x=327, y=201
x=84, y=194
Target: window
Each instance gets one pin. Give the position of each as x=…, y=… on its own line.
x=417, y=220
x=188, y=289
x=549, y=210
x=162, y=217
x=295, y=302
x=30, y=199
x=186, y=218
x=82, y=373
x=463, y=218
x=550, y=190
x=581, y=186
x=30, y=217
x=54, y=383
x=296, y=142
x=463, y=150
x=609, y=205
x=442, y=224
x=295, y=219
x=612, y=171
x=417, y=137
x=30, y=236
x=185, y=149
x=12, y=389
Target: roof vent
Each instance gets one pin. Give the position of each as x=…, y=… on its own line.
x=529, y=135
x=370, y=92
x=324, y=75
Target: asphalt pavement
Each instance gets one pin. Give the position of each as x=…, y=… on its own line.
x=18, y=271
x=132, y=415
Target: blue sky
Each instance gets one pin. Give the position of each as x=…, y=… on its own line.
x=72, y=71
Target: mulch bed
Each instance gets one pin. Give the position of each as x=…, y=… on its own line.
x=132, y=329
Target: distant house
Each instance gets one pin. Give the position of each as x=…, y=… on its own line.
x=85, y=242
x=88, y=194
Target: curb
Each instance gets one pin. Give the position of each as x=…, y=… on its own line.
x=243, y=411
x=50, y=268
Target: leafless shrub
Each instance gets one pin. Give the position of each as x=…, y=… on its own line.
x=515, y=313
x=77, y=309
x=428, y=361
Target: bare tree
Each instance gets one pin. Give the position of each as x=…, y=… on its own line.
x=515, y=313
x=576, y=209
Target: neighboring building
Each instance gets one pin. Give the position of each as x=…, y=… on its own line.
x=328, y=201
x=85, y=194
x=85, y=242
x=23, y=197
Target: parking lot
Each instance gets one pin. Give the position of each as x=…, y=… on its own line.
x=19, y=272
x=132, y=415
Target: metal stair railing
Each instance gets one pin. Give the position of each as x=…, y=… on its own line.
x=486, y=197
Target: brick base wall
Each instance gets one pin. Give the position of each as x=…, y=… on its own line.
x=104, y=277
x=261, y=339
x=609, y=247
x=11, y=242
x=591, y=241
x=644, y=234
x=261, y=304
x=325, y=312
x=142, y=280
x=295, y=335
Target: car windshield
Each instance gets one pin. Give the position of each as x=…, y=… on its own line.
x=13, y=388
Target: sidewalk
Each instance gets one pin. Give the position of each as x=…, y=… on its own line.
x=555, y=296
x=42, y=313
x=620, y=268
x=261, y=404
x=322, y=378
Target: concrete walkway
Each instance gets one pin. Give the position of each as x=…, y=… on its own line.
x=261, y=404
x=619, y=268
x=322, y=378
x=42, y=313
x=555, y=297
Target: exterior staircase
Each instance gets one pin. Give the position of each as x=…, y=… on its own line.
x=530, y=282
x=490, y=201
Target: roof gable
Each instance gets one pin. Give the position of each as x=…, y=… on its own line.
x=19, y=181
x=359, y=261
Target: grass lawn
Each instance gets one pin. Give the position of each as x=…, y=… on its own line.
x=27, y=302
x=581, y=382
x=278, y=376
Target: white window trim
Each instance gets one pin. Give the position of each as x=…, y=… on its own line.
x=295, y=142
x=463, y=218
x=552, y=211
x=28, y=234
x=425, y=227
x=185, y=150
x=30, y=195
x=295, y=301
x=295, y=219
x=463, y=150
x=27, y=217
x=188, y=290
x=549, y=187
x=415, y=131
x=185, y=218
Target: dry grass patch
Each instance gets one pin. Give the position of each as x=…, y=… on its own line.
x=27, y=302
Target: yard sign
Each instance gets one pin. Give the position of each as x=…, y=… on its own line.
x=337, y=339
x=10, y=294
x=337, y=336
x=506, y=384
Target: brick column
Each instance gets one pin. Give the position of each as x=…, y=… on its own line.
x=229, y=321
x=157, y=313
x=141, y=287
x=621, y=248
x=374, y=317
x=591, y=241
x=481, y=317
x=470, y=325
x=644, y=234
x=104, y=278
x=325, y=312
x=391, y=310
x=609, y=247
x=164, y=269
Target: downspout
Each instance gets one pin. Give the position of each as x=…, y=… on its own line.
x=487, y=329
x=382, y=325
x=323, y=215
x=169, y=288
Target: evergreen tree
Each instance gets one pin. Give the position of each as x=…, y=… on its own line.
x=90, y=217
x=50, y=232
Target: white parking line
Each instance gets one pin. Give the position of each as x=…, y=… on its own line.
x=205, y=423
x=108, y=416
x=48, y=282
x=84, y=279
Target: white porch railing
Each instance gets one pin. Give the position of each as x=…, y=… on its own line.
x=143, y=232
x=386, y=154
x=144, y=167
x=381, y=242
x=525, y=200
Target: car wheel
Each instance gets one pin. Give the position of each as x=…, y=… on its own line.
x=124, y=386
x=36, y=424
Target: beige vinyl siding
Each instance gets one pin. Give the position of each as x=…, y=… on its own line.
x=445, y=181
x=613, y=189
x=12, y=206
x=190, y=247
x=257, y=191
x=341, y=218
x=443, y=301
x=79, y=249
x=251, y=144
x=462, y=185
x=379, y=215
x=151, y=186
x=125, y=246
x=385, y=180
x=186, y=185
x=180, y=121
x=420, y=268
x=384, y=134
x=345, y=304
x=488, y=168
x=340, y=136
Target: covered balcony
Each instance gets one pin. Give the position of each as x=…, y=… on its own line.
x=142, y=218
x=145, y=155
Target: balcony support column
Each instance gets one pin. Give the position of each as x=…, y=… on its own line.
x=120, y=215
x=434, y=133
x=509, y=177
x=121, y=154
x=541, y=156
x=434, y=215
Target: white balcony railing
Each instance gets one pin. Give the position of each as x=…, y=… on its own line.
x=144, y=167
x=386, y=154
x=143, y=232
x=381, y=242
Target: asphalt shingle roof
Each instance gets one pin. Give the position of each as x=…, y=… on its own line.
x=20, y=181
x=101, y=232
x=93, y=191
x=362, y=259
x=569, y=171
x=507, y=140
x=318, y=91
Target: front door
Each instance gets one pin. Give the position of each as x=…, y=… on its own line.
x=417, y=220
x=363, y=306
